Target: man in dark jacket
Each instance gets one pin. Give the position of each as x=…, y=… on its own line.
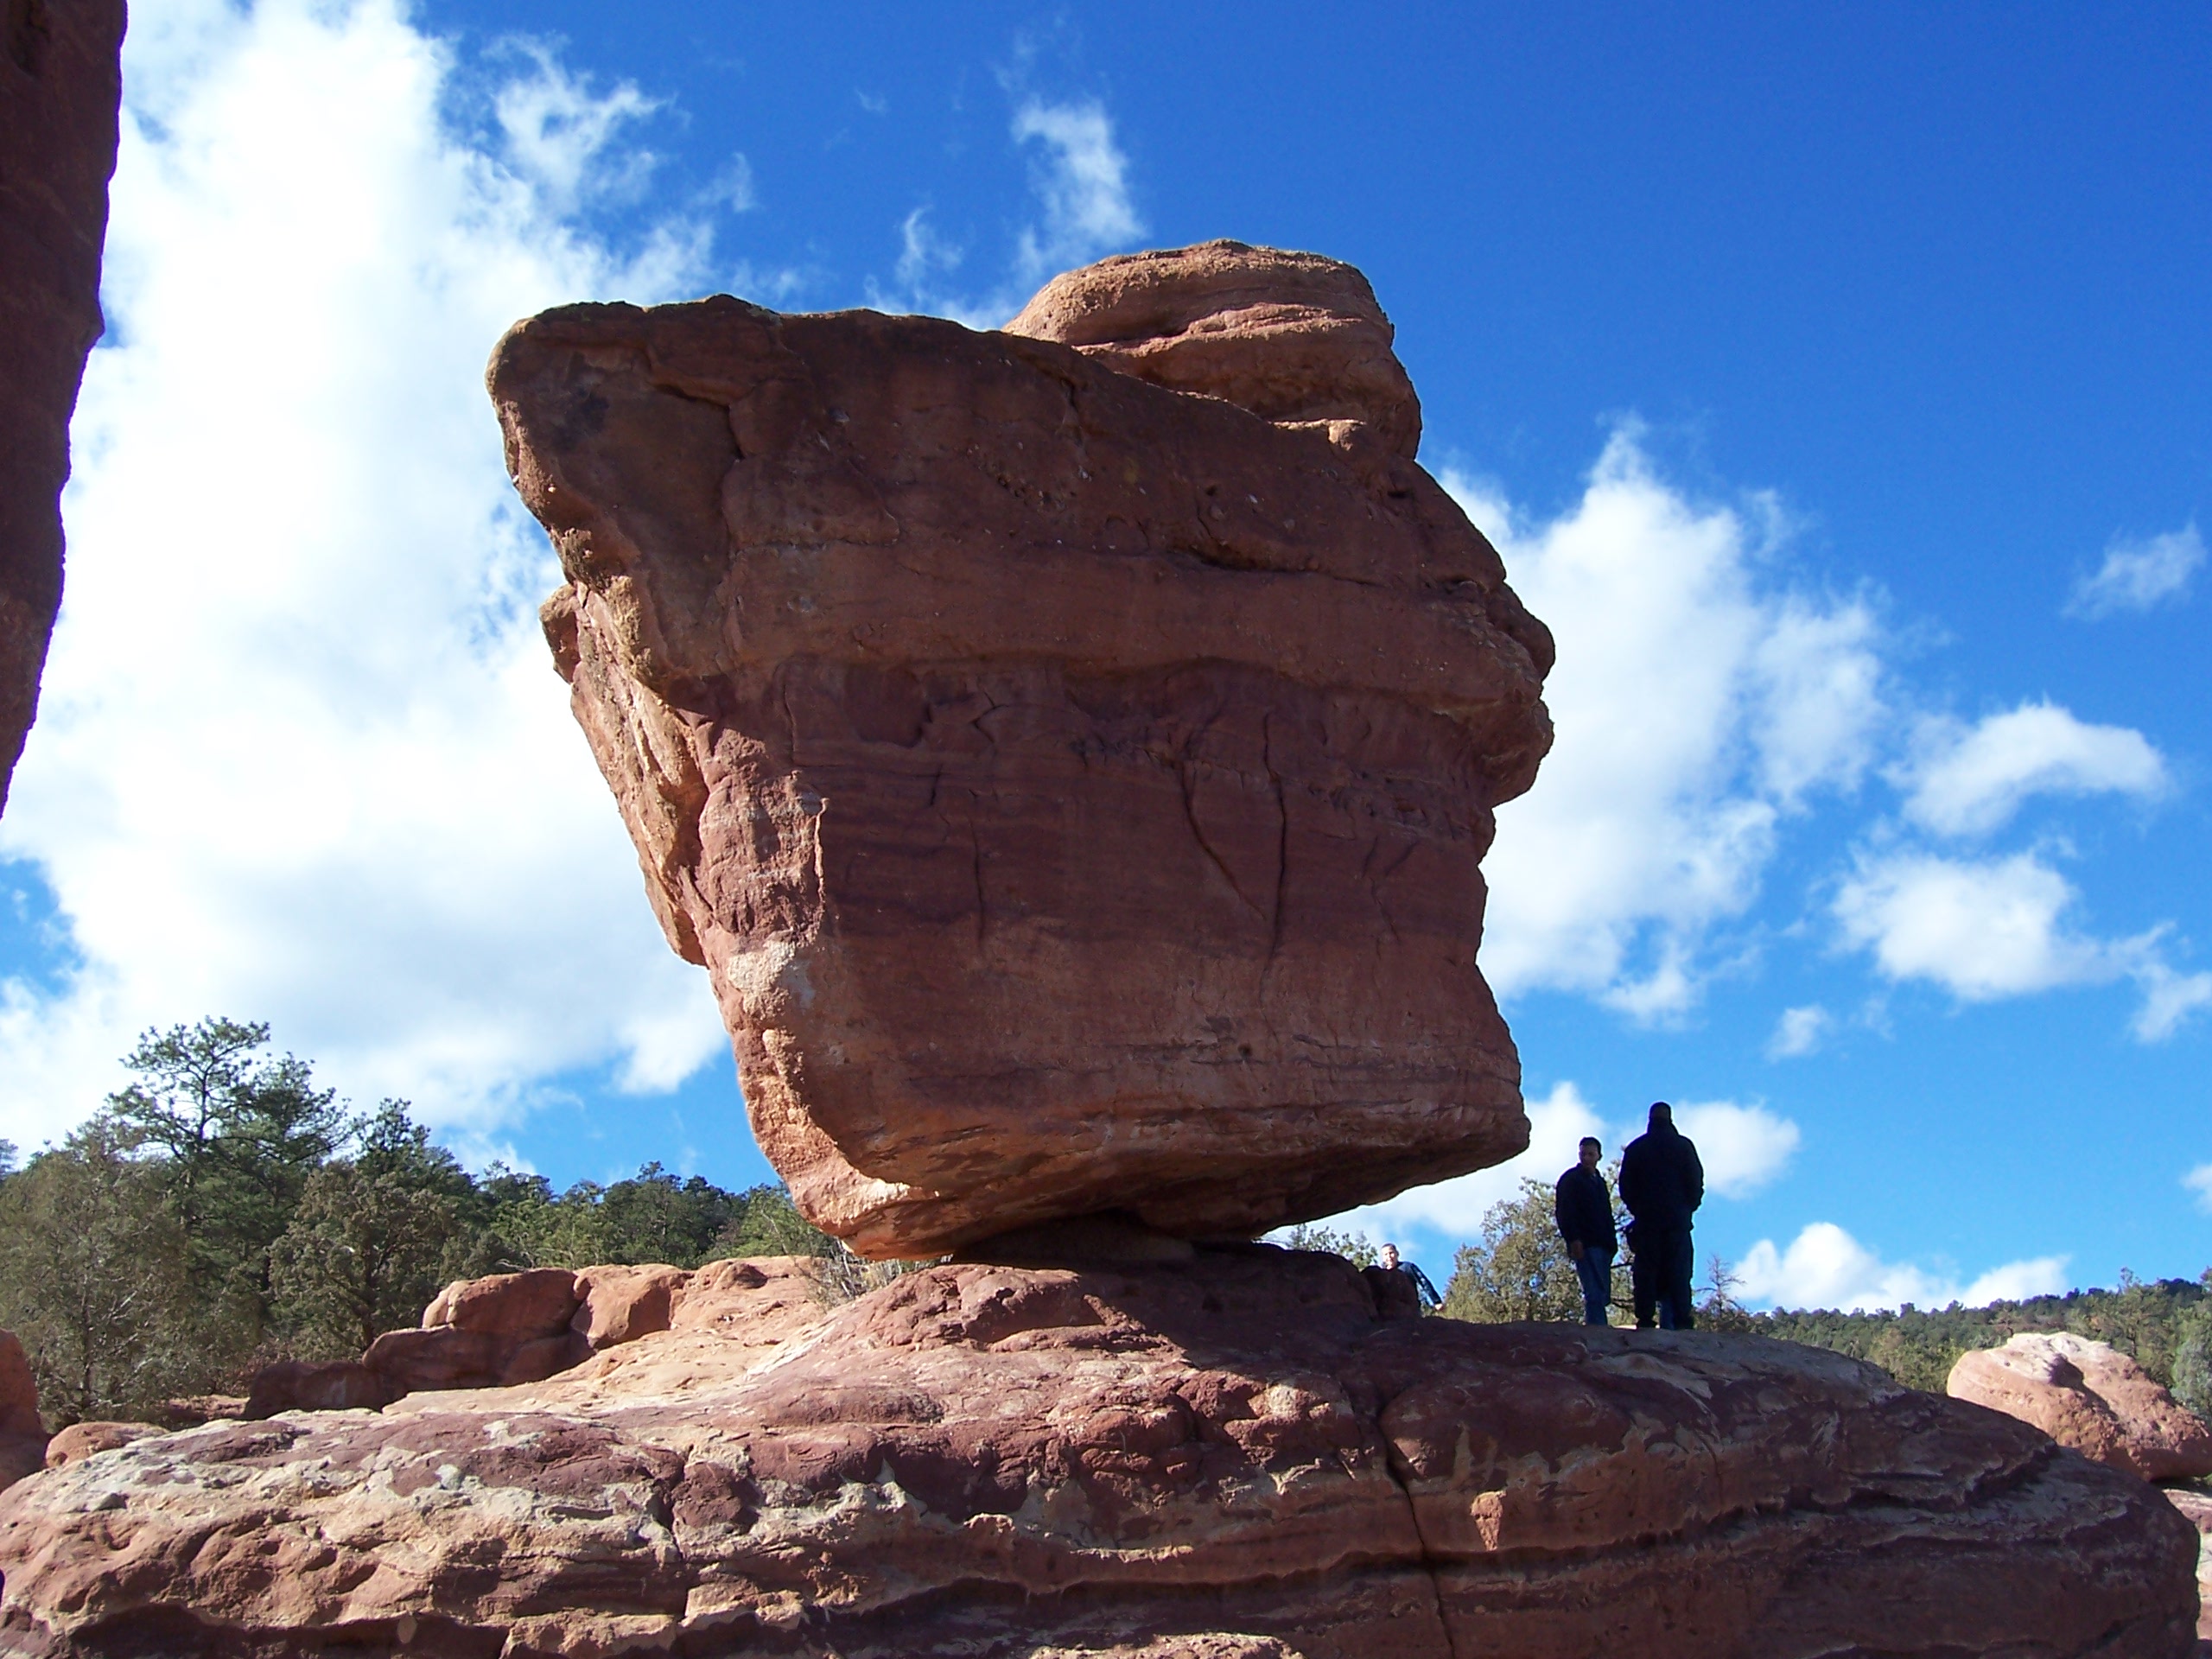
x=1584, y=1209
x=1662, y=1184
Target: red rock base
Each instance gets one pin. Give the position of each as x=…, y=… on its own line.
x=1231, y=1458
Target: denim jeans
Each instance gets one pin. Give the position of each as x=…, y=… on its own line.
x=1595, y=1270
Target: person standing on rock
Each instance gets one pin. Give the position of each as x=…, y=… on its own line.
x=1584, y=1209
x=1424, y=1293
x=1662, y=1183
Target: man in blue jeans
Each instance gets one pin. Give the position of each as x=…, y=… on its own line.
x=1584, y=1209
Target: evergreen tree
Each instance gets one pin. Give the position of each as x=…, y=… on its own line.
x=91, y=1279
x=372, y=1239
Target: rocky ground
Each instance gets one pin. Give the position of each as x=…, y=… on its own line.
x=1238, y=1455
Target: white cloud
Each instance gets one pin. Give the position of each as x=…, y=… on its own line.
x=1082, y=184
x=734, y=187
x=1799, y=1031
x=560, y=134
x=922, y=251
x=300, y=754
x=1698, y=699
x=2137, y=575
x=1969, y=780
x=1742, y=1147
x=1825, y=1268
x=2169, y=999
x=1556, y=1126
x=2199, y=1181
x=1984, y=929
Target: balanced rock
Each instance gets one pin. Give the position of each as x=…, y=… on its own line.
x=1233, y=1458
x=1070, y=751
x=2089, y=1395
x=60, y=92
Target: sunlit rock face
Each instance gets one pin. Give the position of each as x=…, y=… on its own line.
x=1071, y=749
x=60, y=89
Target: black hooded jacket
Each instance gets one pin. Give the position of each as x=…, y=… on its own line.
x=1661, y=1181
x=1585, y=1209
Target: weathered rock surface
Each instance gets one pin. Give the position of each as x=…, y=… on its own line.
x=22, y=1431
x=1075, y=785
x=60, y=91
x=2195, y=1506
x=511, y=1328
x=87, y=1440
x=1233, y=1456
x=2089, y=1395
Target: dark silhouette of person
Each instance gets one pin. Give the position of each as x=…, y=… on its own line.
x=1662, y=1184
x=1424, y=1291
x=1584, y=1209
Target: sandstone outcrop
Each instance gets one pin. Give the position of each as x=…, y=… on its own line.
x=2195, y=1506
x=1071, y=750
x=1233, y=1456
x=60, y=93
x=2089, y=1395
x=511, y=1328
x=87, y=1440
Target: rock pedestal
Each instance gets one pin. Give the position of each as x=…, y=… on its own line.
x=1073, y=760
x=1232, y=1456
x=60, y=90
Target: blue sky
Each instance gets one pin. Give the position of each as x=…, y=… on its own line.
x=1838, y=385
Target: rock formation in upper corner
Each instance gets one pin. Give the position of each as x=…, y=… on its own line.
x=60, y=90
x=1071, y=748
x=1230, y=1458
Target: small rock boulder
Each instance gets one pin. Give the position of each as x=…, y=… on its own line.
x=81, y=1440
x=2090, y=1396
x=519, y=1306
x=295, y=1385
x=620, y=1304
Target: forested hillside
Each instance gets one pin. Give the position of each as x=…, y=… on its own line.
x=222, y=1211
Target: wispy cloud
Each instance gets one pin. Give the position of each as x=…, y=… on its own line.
x=1799, y=1031
x=1987, y=929
x=2139, y=576
x=1965, y=780
x=1082, y=180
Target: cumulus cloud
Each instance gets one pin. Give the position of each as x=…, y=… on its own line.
x=1825, y=1268
x=1985, y=929
x=1799, y=1031
x=1743, y=1147
x=1969, y=780
x=2137, y=575
x=1699, y=699
x=1082, y=184
x=300, y=754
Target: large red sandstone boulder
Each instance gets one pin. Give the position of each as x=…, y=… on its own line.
x=620, y=1304
x=2090, y=1396
x=1234, y=1457
x=2195, y=1506
x=60, y=90
x=1075, y=785
x=515, y=1306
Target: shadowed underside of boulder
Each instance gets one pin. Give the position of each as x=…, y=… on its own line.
x=1234, y=1456
x=1075, y=779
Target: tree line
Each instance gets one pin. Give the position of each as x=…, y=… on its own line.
x=1518, y=1270
x=222, y=1212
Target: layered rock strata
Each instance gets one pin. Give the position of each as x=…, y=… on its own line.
x=1235, y=1456
x=60, y=91
x=2089, y=1395
x=1072, y=760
